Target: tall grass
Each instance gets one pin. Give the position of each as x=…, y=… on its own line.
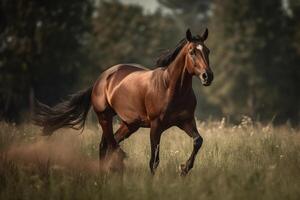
x=247, y=161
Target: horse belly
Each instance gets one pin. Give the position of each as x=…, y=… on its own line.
x=128, y=102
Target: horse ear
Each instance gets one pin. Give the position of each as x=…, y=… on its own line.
x=188, y=35
x=204, y=35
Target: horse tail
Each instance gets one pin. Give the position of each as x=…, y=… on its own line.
x=70, y=113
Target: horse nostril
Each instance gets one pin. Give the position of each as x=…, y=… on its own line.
x=204, y=76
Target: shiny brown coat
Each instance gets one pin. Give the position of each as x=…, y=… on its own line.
x=157, y=99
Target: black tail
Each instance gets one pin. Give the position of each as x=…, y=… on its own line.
x=71, y=113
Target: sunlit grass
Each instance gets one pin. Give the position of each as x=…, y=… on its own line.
x=246, y=161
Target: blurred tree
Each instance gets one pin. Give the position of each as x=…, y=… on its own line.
x=293, y=9
x=46, y=49
x=254, y=59
x=125, y=34
x=189, y=14
x=39, y=51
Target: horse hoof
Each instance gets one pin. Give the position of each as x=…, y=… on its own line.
x=152, y=172
x=122, y=153
x=183, y=170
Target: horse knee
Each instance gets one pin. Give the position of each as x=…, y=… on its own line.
x=198, y=142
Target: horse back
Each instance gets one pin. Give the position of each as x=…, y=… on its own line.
x=121, y=89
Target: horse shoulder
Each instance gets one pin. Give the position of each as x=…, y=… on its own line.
x=156, y=96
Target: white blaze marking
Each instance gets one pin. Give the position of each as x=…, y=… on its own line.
x=200, y=47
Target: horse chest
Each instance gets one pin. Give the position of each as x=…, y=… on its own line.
x=179, y=110
x=178, y=115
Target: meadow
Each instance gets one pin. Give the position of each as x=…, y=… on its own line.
x=245, y=161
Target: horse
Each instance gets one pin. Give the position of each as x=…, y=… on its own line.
x=157, y=99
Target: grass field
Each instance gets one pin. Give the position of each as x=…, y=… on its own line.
x=247, y=161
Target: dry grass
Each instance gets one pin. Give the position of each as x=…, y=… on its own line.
x=248, y=161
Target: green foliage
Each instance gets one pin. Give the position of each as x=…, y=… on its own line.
x=255, y=60
x=39, y=50
x=189, y=14
x=50, y=48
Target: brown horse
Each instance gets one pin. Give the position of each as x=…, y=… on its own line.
x=157, y=99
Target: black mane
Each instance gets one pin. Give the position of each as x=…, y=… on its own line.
x=168, y=56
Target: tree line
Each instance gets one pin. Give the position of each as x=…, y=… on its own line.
x=49, y=49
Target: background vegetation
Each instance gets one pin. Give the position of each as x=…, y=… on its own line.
x=49, y=49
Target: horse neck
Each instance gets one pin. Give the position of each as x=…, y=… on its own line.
x=176, y=74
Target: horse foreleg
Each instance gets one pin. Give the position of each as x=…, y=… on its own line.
x=155, y=134
x=191, y=129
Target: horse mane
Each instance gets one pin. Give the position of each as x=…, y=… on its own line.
x=168, y=56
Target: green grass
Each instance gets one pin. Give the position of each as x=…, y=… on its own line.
x=248, y=161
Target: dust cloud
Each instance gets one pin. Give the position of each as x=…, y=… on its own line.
x=62, y=152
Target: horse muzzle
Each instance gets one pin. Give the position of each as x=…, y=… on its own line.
x=206, y=78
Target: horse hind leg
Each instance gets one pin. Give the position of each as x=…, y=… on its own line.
x=109, y=150
x=102, y=148
x=124, y=131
